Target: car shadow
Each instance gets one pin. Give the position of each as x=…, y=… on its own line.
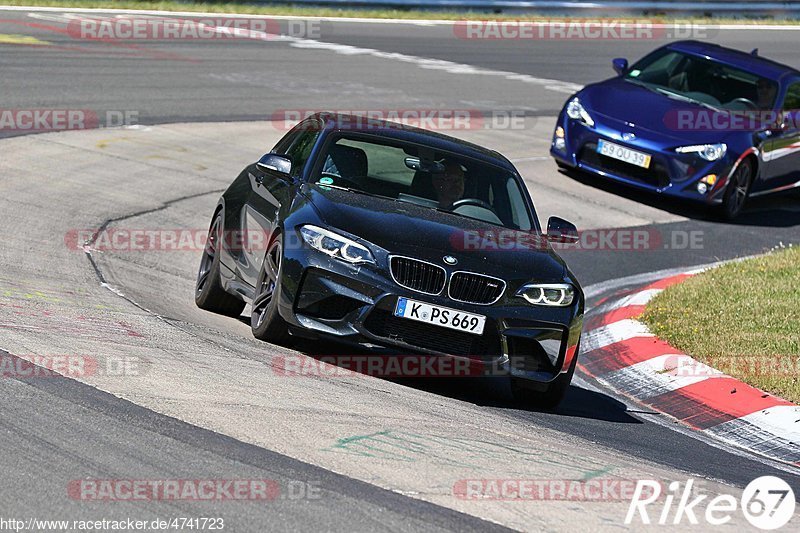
x=773, y=210
x=491, y=391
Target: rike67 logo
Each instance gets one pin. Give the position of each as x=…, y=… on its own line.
x=767, y=502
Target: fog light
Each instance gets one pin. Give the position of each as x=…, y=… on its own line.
x=706, y=182
x=560, y=144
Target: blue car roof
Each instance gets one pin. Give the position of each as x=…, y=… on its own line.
x=766, y=68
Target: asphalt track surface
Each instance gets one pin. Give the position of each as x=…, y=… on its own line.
x=206, y=401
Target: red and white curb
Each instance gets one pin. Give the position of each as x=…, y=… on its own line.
x=622, y=353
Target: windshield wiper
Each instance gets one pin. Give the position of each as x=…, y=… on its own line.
x=641, y=84
x=357, y=191
x=684, y=98
x=671, y=94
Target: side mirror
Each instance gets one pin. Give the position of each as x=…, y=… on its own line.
x=276, y=163
x=559, y=230
x=620, y=65
x=788, y=120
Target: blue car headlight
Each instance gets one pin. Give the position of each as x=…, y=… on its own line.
x=575, y=110
x=709, y=152
x=548, y=294
x=335, y=245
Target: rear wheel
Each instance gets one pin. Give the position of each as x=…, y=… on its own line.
x=543, y=395
x=209, y=294
x=265, y=321
x=736, y=192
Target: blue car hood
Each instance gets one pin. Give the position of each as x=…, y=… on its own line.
x=618, y=104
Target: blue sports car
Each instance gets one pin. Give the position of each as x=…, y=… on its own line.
x=692, y=120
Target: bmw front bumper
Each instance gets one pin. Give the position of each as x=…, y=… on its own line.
x=355, y=304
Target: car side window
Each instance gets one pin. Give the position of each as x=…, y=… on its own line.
x=287, y=140
x=300, y=150
x=792, y=100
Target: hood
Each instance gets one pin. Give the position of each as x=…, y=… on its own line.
x=407, y=229
x=618, y=104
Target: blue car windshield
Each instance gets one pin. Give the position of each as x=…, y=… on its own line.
x=703, y=81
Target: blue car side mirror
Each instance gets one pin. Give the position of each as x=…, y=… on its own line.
x=620, y=65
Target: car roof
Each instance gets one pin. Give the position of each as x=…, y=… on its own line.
x=766, y=68
x=341, y=122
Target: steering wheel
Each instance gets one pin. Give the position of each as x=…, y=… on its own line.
x=471, y=201
x=746, y=101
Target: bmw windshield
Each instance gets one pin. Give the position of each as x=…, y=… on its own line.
x=423, y=176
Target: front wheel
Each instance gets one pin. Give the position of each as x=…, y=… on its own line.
x=737, y=190
x=208, y=293
x=265, y=321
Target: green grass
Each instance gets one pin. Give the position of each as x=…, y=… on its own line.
x=223, y=7
x=740, y=318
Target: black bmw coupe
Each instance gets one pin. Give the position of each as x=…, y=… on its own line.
x=398, y=238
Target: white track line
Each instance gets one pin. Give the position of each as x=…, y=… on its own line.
x=350, y=50
x=613, y=333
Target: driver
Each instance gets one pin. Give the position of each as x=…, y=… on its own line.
x=765, y=90
x=449, y=185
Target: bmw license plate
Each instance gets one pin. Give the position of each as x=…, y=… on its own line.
x=440, y=316
x=621, y=153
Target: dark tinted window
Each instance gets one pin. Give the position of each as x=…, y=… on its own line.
x=430, y=178
x=300, y=150
x=792, y=100
x=703, y=80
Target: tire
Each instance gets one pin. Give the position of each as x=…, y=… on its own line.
x=265, y=321
x=737, y=191
x=208, y=293
x=543, y=395
x=563, y=166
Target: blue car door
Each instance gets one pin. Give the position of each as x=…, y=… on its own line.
x=781, y=154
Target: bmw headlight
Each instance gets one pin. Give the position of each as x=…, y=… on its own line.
x=709, y=152
x=335, y=245
x=576, y=111
x=550, y=294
